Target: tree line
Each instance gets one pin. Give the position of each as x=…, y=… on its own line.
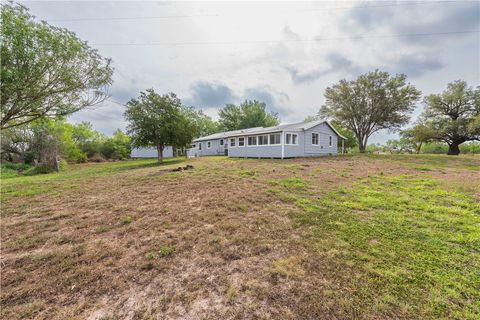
x=49, y=73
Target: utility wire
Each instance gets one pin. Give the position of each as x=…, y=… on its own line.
x=119, y=103
x=218, y=15
x=136, y=18
x=194, y=43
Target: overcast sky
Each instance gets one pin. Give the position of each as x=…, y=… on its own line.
x=284, y=54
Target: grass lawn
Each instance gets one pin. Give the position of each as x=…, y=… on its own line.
x=355, y=237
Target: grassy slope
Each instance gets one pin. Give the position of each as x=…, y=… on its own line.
x=402, y=247
x=395, y=241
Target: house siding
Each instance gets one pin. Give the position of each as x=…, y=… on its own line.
x=323, y=148
x=263, y=151
x=215, y=148
x=151, y=152
x=256, y=151
x=303, y=148
x=294, y=150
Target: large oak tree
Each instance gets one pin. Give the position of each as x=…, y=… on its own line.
x=454, y=115
x=372, y=102
x=46, y=71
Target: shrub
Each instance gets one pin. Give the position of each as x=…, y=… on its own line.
x=97, y=157
x=470, y=147
x=126, y=220
x=9, y=170
x=165, y=251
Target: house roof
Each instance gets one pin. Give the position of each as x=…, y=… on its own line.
x=300, y=126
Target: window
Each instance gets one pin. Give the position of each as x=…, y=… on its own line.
x=275, y=138
x=200, y=146
x=221, y=142
x=252, y=141
x=193, y=145
x=232, y=142
x=330, y=141
x=209, y=144
x=291, y=138
x=262, y=140
x=241, y=141
x=315, y=138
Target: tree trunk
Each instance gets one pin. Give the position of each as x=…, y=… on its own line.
x=453, y=149
x=419, y=147
x=361, y=145
x=160, y=153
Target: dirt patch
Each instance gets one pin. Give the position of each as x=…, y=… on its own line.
x=170, y=244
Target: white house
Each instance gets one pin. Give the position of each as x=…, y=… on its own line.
x=304, y=139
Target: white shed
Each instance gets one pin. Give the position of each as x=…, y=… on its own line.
x=150, y=152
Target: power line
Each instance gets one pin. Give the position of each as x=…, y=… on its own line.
x=119, y=103
x=219, y=15
x=136, y=18
x=193, y=43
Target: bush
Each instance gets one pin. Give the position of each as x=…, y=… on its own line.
x=77, y=156
x=41, y=169
x=63, y=165
x=470, y=147
x=97, y=157
x=9, y=170
x=435, y=148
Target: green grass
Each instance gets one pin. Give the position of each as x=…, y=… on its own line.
x=15, y=186
x=428, y=162
x=402, y=246
x=398, y=244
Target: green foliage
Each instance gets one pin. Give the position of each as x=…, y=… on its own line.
x=351, y=141
x=117, y=147
x=159, y=120
x=401, y=145
x=87, y=139
x=127, y=220
x=47, y=140
x=248, y=114
x=9, y=170
x=316, y=117
x=203, y=123
x=165, y=251
x=454, y=115
x=46, y=71
x=470, y=147
x=435, y=148
x=417, y=135
x=372, y=102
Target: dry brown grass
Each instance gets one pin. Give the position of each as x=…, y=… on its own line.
x=209, y=243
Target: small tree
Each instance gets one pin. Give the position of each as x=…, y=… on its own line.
x=46, y=71
x=454, y=115
x=203, y=123
x=248, y=114
x=418, y=135
x=158, y=120
x=401, y=145
x=117, y=147
x=372, y=102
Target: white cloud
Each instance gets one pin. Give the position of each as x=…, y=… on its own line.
x=241, y=57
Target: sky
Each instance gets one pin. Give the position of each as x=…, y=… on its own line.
x=282, y=53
